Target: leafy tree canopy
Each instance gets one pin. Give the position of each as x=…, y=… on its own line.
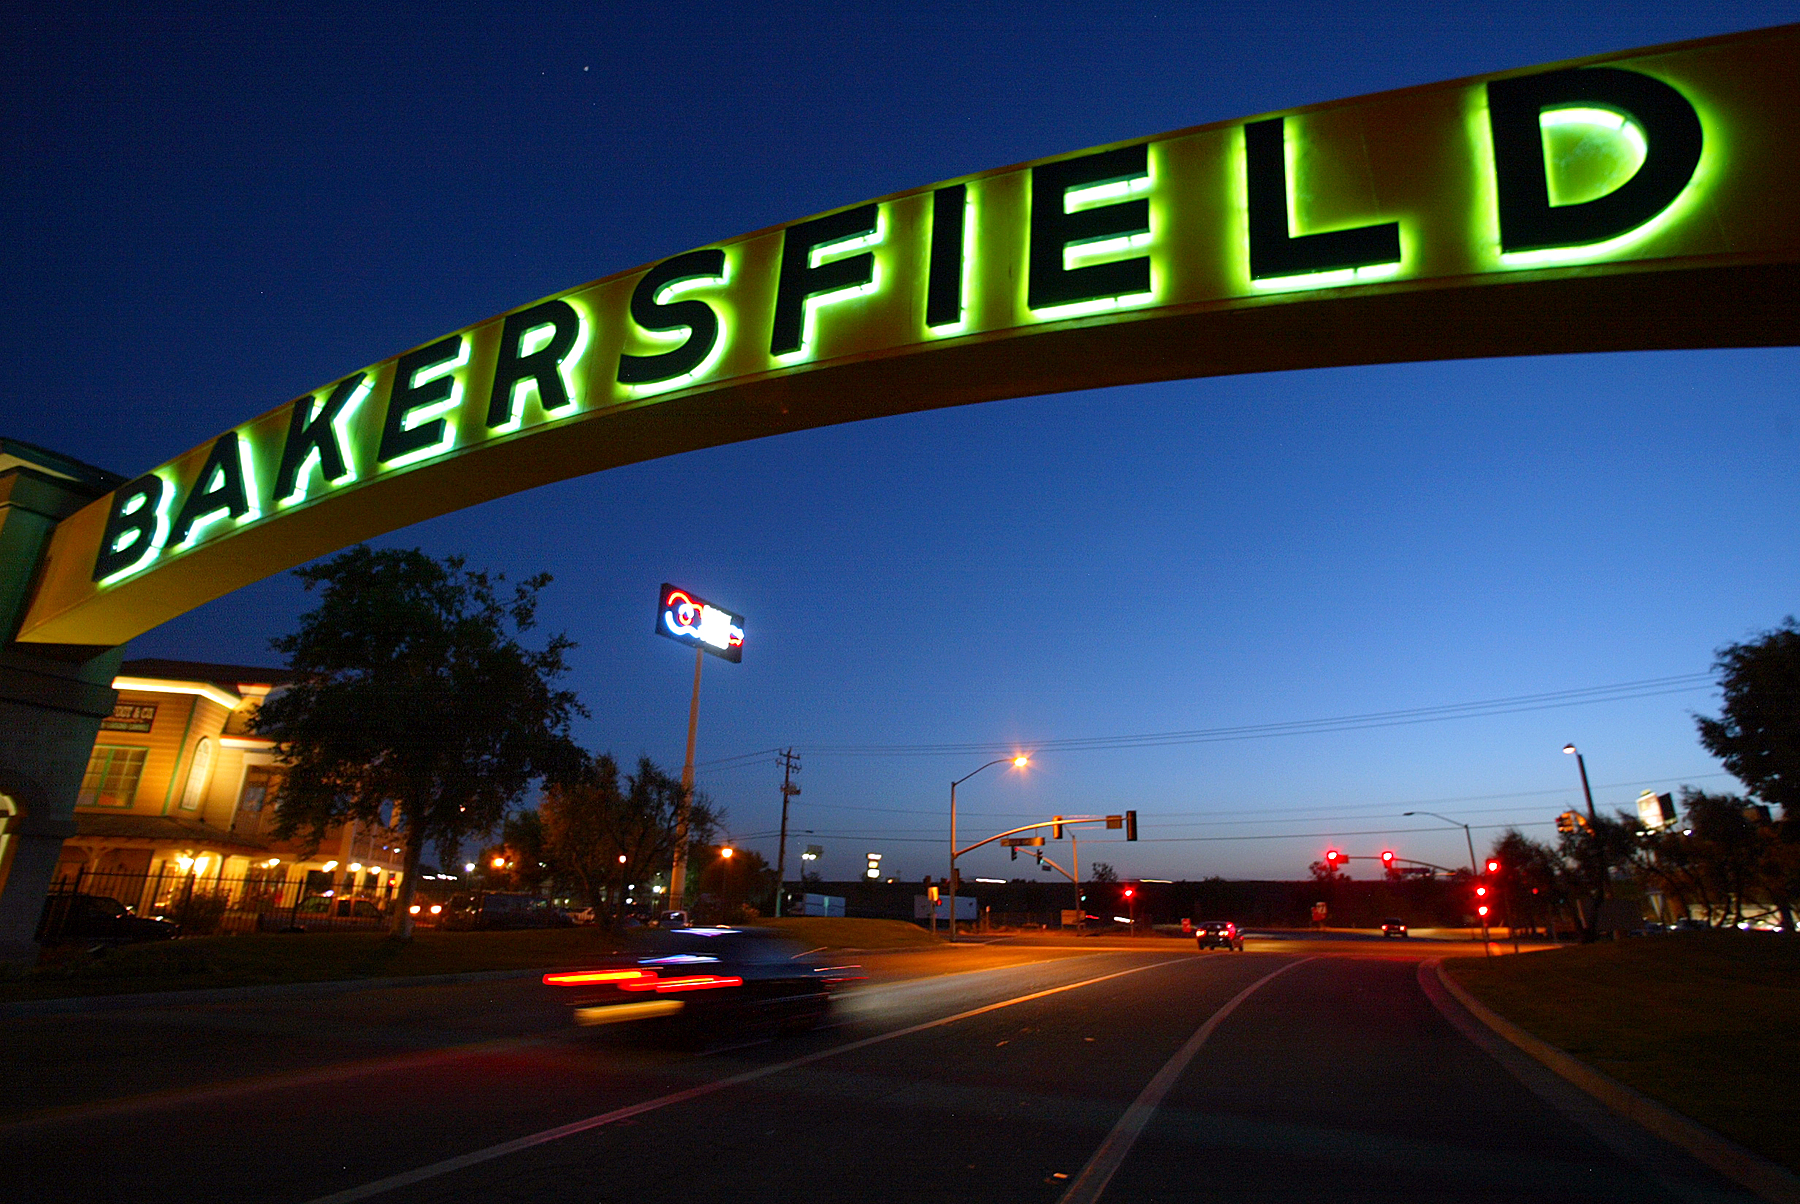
x=1757, y=734
x=603, y=835
x=415, y=698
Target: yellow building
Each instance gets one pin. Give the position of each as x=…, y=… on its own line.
x=179, y=797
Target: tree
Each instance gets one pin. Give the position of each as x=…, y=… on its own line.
x=1102, y=872
x=1757, y=734
x=604, y=838
x=735, y=885
x=1533, y=876
x=414, y=696
x=523, y=863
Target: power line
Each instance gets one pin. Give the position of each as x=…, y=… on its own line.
x=1585, y=696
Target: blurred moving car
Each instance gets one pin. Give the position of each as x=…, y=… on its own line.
x=501, y=909
x=1393, y=926
x=704, y=982
x=98, y=918
x=1218, y=934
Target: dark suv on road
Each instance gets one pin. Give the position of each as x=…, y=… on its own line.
x=1218, y=934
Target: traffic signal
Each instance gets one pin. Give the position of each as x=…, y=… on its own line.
x=1056, y=826
x=1387, y=858
x=1131, y=825
x=1481, y=892
x=1129, y=892
x=1332, y=857
x=1482, y=911
x=1493, y=866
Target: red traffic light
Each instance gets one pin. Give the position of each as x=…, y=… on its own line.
x=1129, y=892
x=1482, y=911
x=1493, y=866
x=1387, y=857
x=1481, y=892
x=1332, y=857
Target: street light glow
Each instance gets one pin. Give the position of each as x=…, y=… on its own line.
x=725, y=852
x=1021, y=761
x=1568, y=748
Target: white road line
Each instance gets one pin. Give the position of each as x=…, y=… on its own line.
x=448, y=1165
x=1094, y=1177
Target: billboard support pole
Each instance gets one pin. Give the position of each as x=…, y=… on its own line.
x=678, y=873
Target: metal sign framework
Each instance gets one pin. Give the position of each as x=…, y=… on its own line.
x=1648, y=199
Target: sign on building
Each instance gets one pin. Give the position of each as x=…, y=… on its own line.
x=130, y=717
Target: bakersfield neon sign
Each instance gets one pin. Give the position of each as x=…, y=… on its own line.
x=1142, y=261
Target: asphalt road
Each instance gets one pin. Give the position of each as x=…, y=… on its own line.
x=1117, y=1074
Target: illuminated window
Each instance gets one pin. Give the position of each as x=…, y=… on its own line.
x=198, y=775
x=112, y=777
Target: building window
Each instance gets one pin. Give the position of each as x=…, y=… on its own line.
x=257, y=797
x=197, y=776
x=112, y=776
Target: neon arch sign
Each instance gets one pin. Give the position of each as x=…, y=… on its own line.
x=1646, y=199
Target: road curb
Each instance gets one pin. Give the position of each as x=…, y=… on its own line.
x=1743, y=1167
x=125, y=1001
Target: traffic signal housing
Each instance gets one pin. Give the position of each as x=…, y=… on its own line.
x=1131, y=825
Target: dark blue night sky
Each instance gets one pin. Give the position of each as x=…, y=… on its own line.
x=212, y=211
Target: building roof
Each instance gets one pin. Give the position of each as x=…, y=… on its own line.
x=164, y=829
x=16, y=453
x=229, y=677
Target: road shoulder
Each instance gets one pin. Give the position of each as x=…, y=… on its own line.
x=1506, y=1042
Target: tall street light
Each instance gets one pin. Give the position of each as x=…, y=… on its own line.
x=1465, y=827
x=1591, y=930
x=1018, y=762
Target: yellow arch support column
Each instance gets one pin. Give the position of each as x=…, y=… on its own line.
x=52, y=696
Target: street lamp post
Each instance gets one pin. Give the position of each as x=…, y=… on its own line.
x=1473, y=872
x=1591, y=930
x=1019, y=762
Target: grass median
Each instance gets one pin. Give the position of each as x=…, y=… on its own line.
x=1707, y=1023
x=201, y=963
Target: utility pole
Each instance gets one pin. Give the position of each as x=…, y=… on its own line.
x=790, y=765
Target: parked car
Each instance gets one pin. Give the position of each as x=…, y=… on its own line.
x=502, y=909
x=329, y=913
x=703, y=984
x=98, y=918
x=1218, y=934
x=1393, y=926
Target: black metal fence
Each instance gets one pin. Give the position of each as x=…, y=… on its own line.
x=265, y=900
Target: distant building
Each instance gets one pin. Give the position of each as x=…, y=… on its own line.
x=179, y=791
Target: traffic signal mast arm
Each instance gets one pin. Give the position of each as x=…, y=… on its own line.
x=1063, y=821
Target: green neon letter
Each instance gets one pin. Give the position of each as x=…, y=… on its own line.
x=513, y=367
x=312, y=433
x=219, y=491
x=1274, y=249
x=943, y=292
x=1516, y=107
x=131, y=534
x=418, y=387
x=803, y=280
x=1053, y=228
x=651, y=313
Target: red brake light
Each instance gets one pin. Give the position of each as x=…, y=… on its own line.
x=575, y=978
x=693, y=982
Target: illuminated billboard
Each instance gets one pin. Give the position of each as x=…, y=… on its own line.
x=684, y=616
